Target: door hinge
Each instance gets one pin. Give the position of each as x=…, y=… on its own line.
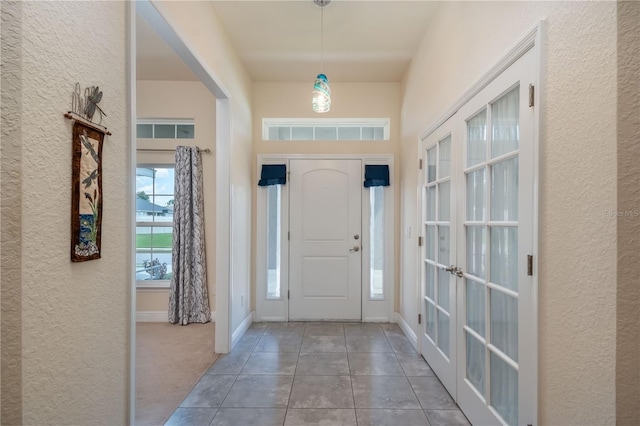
x=288, y=294
x=419, y=241
x=419, y=318
x=529, y=265
x=420, y=164
x=288, y=235
x=531, y=94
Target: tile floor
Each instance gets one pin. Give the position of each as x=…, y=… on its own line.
x=319, y=374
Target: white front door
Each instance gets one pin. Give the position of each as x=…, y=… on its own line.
x=325, y=239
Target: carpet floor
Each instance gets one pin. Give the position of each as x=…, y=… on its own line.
x=170, y=359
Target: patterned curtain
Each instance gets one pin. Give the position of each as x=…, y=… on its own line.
x=188, y=301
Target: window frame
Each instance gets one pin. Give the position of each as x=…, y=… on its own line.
x=151, y=224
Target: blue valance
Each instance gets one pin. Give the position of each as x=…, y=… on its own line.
x=376, y=175
x=273, y=174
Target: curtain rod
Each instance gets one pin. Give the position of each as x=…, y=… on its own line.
x=206, y=150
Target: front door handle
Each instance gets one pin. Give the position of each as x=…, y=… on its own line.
x=356, y=248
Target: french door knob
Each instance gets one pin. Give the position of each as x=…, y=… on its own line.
x=454, y=270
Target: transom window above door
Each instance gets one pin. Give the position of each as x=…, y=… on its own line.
x=311, y=129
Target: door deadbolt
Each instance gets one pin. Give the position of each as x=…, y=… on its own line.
x=356, y=237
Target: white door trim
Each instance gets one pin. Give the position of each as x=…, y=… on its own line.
x=372, y=310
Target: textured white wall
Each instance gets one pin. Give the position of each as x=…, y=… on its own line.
x=75, y=316
x=190, y=100
x=577, y=262
x=198, y=26
x=11, y=213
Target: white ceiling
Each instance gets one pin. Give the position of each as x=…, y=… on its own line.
x=279, y=41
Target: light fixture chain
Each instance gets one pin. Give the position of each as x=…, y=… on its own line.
x=322, y=39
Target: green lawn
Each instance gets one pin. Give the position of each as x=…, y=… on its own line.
x=159, y=240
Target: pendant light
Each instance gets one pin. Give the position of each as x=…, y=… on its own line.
x=321, y=91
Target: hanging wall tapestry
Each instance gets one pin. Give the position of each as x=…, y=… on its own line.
x=86, y=199
x=86, y=178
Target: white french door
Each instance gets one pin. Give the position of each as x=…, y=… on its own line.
x=496, y=371
x=478, y=214
x=325, y=248
x=438, y=292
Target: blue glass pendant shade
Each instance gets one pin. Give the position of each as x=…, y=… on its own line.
x=321, y=94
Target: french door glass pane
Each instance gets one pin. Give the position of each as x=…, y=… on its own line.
x=443, y=332
x=431, y=242
x=445, y=157
x=505, y=128
x=504, y=390
x=443, y=289
x=431, y=203
x=504, y=323
x=476, y=183
x=504, y=190
x=476, y=251
x=504, y=257
x=477, y=138
x=444, y=190
x=430, y=279
x=476, y=307
x=431, y=320
x=476, y=363
x=443, y=245
x=431, y=164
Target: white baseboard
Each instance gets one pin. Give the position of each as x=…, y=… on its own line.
x=271, y=319
x=160, y=316
x=376, y=319
x=411, y=335
x=242, y=328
